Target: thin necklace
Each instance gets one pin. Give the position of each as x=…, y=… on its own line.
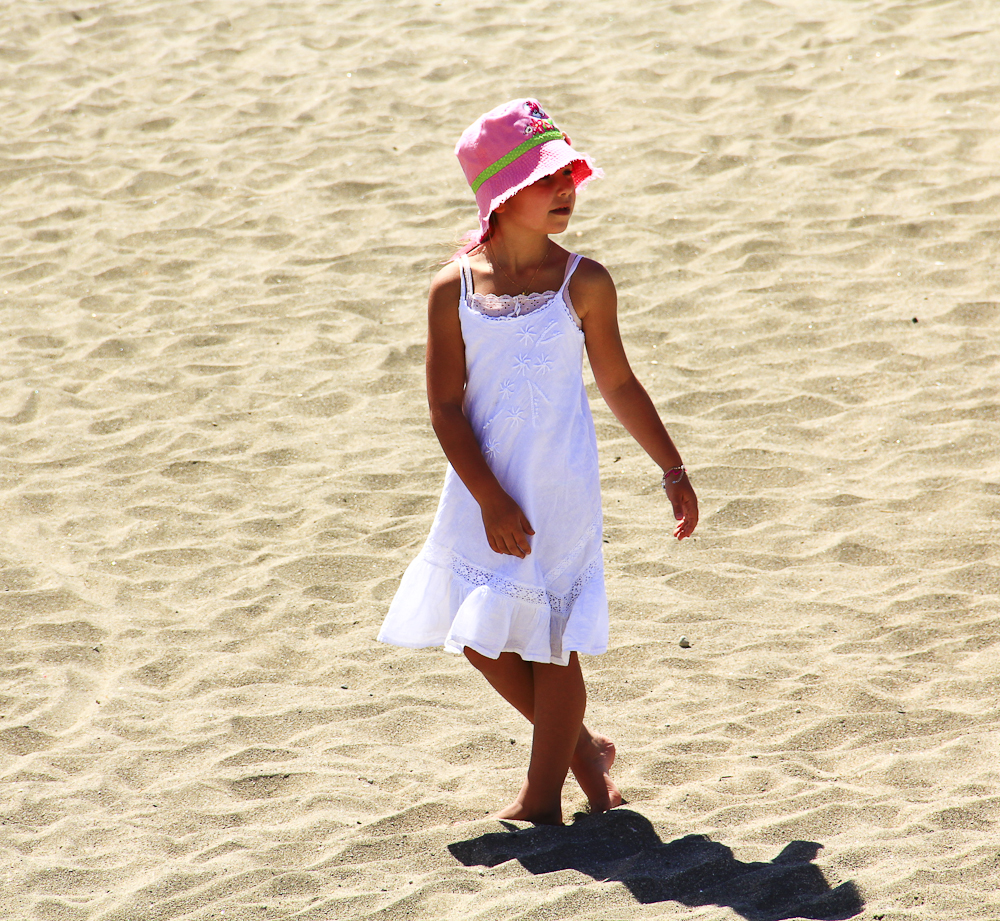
x=496, y=262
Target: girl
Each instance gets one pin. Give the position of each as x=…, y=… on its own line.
x=512, y=574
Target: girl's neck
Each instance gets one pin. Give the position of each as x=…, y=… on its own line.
x=520, y=252
x=540, y=270
x=520, y=282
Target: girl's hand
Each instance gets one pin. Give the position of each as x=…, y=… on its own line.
x=685, y=504
x=507, y=528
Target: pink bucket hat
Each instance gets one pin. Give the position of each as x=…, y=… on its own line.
x=508, y=149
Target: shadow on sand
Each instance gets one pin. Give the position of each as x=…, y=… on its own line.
x=622, y=845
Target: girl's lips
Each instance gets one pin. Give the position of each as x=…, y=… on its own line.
x=564, y=210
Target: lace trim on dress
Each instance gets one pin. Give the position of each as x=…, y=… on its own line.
x=510, y=305
x=477, y=576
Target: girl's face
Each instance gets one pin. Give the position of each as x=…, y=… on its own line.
x=544, y=206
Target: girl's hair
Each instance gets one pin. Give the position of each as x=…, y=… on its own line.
x=460, y=246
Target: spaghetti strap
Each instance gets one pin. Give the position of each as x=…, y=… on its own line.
x=571, y=264
x=466, y=277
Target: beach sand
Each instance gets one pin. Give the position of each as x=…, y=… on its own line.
x=215, y=461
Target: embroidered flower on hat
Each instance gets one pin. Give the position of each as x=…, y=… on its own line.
x=540, y=121
x=537, y=126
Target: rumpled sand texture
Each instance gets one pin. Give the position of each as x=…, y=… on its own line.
x=219, y=223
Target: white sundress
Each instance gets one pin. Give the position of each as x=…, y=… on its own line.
x=526, y=402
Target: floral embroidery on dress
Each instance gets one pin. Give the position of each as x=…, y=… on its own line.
x=543, y=364
x=526, y=335
x=515, y=416
x=520, y=397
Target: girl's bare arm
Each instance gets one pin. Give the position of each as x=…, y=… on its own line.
x=507, y=528
x=596, y=302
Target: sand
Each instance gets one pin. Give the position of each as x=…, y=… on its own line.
x=220, y=219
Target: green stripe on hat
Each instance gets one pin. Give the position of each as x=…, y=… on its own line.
x=507, y=159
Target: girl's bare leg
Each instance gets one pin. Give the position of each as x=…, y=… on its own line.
x=593, y=755
x=560, y=701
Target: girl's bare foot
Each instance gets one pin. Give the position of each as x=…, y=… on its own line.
x=518, y=813
x=521, y=810
x=591, y=765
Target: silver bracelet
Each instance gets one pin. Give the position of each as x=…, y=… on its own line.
x=681, y=471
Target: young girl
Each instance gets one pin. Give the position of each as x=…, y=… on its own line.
x=512, y=573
